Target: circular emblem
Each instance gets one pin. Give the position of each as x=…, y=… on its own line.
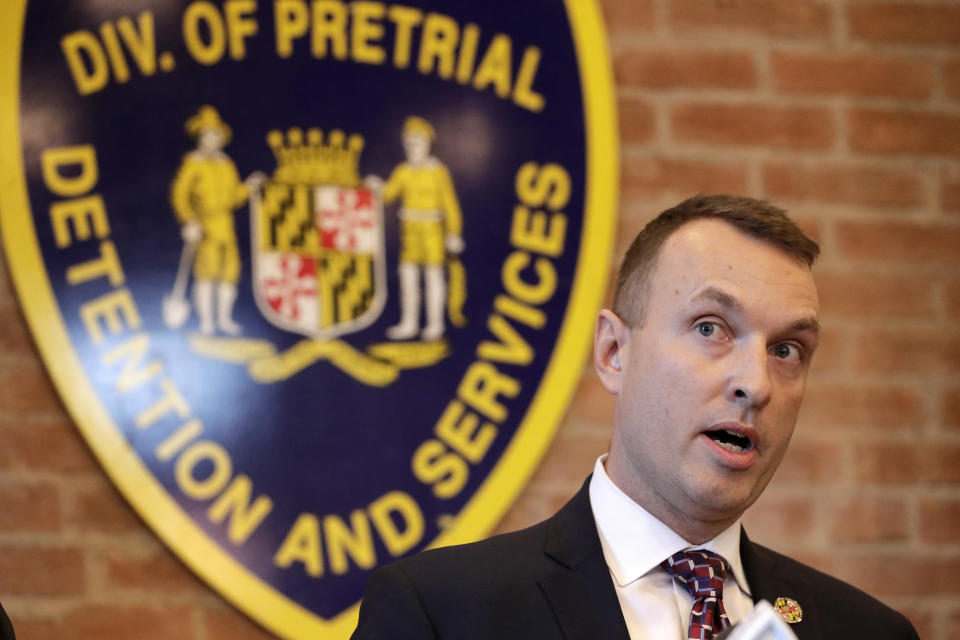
x=315, y=278
x=789, y=610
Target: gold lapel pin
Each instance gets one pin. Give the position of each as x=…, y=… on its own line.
x=789, y=610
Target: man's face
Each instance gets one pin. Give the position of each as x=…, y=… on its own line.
x=709, y=387
x=416, y=146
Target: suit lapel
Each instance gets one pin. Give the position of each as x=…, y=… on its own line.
x=581, y=594
x=768, y=582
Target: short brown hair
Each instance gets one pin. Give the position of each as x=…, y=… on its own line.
x=756, y=218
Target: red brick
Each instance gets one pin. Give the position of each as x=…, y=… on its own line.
x=29, y=506
x=636, y=120
x=785, y=519
x=868, y=519
x=921, y=618
x=228, y=623
x=886, y=463
x=752, y=124
x=573, y=455
x=907, y=351
x=951, y=292
x=27, y=388
x=677, y=68
x=855, y=75
x=118, y=622
x=951, y=79
x=901, y=131
x=646, y=177
x=952, y=627
x=808, y=462
x=14, y=338
x=158, y=571
x=939, y=519
x=592, y=402
x=899, y=242
x=905, y=22
x=842, y=184
x=44, y=447
x=36, y=628
x=620, y=16
x=101, y=509
x=832, y=354
x=780, y=19
x=859, y=295
x=884, y=576
x=862, y=405
x=41, y=571
x=950, y=401
x=940, y=462
x=950, y=189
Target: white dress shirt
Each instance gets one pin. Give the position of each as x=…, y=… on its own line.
x=634, y=543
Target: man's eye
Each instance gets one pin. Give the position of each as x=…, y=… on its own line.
x=708, y=329
x=786, y=351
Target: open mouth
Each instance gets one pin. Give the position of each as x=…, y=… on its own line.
x=732, y=442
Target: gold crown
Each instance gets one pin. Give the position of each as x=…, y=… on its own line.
x=313, y=160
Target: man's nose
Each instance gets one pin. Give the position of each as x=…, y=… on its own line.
x=749, y=383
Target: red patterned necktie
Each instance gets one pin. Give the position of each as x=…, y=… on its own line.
x=701, y=573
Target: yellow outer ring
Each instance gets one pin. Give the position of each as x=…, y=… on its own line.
x=258, y=599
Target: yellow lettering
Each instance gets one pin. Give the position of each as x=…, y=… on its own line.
x=302, y=545
x=525, y=292
x=240, y=26
x=121, y=72
x=550, y=185
x=140, y=42
x=511, y=349
x=86, y=60
x=398, y=540
x=523, y=93
x=178, y=440
x=329, y=24
x=520, y=312
x=355, y=541
x=461, y=433
x=405, y=19
x=82, y=211
x=494, y=68
x=208, y=53
x=107, y=265
x=468, y=52
x=290, y=21
x=481, y=385
x=132, y=353
x=112, y=308
x=364, y=28
x=54, y=161
x=186, y=465
x=244, y=516
x=434, y=465
x=172, y=400
x=532, y=231
x=438, y=43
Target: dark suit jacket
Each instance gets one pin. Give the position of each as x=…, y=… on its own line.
x=6, y=629
x=551, y=582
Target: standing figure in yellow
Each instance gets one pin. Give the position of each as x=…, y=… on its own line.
x=204, y=194
x=430, y=227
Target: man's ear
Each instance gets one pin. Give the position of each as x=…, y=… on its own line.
x=610, y=349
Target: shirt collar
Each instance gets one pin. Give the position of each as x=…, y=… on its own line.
x=621, y=522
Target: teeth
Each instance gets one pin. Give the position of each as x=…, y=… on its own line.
x=729, y=446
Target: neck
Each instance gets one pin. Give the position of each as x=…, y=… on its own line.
x=695, y=530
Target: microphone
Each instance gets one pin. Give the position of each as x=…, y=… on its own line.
x=763, y=623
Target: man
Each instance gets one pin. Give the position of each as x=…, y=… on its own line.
x=204, y=194
x=430, y=226
x=6, y=629
x=707, y=348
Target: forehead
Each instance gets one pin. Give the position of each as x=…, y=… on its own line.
x=714, y=253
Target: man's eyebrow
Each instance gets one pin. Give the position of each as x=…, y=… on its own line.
x=807, y=324
x=722, y=298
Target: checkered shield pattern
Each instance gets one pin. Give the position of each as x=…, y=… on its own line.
x=701, y=573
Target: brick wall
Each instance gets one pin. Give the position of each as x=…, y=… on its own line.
x=847, y=113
